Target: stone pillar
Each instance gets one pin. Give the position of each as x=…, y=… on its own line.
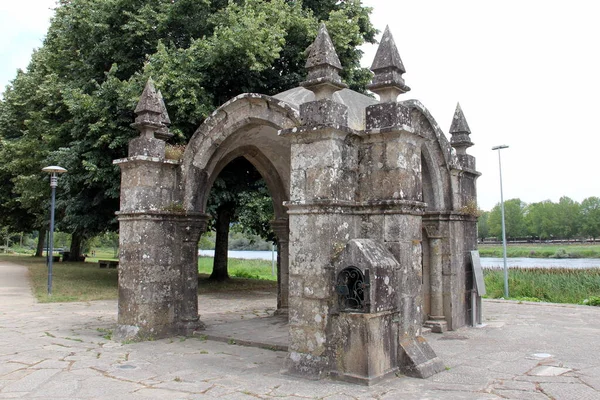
x=437, y=319
x=463, y=225
x=191, y=229
x=282, y=231
x=437, y=298
x=391, y=184
x=158, y=239
x=322, y=186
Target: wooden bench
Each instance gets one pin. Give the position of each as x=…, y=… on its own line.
x=108, y=264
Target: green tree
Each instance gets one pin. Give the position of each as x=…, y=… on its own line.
x=82, y=85
x=568, y=218
x=230, y=193
x=483, y=229
x=590, y=217
x=513, y=217
x=31, y=124
x=541, y=219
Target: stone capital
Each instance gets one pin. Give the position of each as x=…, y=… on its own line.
x=281, y=227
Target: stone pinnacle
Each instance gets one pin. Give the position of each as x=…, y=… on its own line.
x=459, y=129
x=149, y=100
x=388, y=69
x=323, y=67
x=163, y=133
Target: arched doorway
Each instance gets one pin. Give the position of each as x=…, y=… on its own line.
x=245, y=127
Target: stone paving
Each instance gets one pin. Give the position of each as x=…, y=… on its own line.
x=64, y=351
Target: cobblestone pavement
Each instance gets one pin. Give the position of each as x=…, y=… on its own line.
x=64, y=351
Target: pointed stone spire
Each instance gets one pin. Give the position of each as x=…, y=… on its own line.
x=148, y=111
x=149, y=100
x=460, y=132
x=164, y=115
x=163, y=133
x=388, y=69
x=323, y=67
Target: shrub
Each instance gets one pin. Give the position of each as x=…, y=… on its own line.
x=174, y=151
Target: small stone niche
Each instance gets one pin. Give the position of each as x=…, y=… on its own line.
x=365, y=321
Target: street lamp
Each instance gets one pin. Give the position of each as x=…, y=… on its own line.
x=53, y=171
x=503, y=146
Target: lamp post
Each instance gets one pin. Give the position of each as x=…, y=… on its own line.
x=503, y=146
x=53, y=171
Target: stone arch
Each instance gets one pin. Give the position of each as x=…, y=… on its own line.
x=263, y=165
x=437, y=158
x=438, y=166
x=246, y=126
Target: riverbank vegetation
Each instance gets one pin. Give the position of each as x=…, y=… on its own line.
x=541, y=250
x=544, y=220
x=554, y=285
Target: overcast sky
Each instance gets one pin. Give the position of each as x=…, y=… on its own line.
x=526, y=73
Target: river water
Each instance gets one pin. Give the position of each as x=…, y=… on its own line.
x=485, y=261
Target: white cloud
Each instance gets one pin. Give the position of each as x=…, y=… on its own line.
x=23, y=25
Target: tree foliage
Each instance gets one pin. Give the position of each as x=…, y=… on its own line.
x=513, y=217
x=590, y=217
x=74, y=104
x=545, y=220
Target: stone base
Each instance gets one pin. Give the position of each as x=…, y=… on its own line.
x=362, y=380
x=187, y=328
x=417, y=358
x=366, y=347
x=436, y=326
x=285, y=311
x=306, y=366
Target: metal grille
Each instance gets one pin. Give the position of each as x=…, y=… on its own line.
x=351, y=288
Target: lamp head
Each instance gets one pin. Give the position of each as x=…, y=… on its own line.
x=502, y=146
x=54, y=169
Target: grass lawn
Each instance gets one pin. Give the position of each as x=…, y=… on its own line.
x=541, y=250
x=255, y=269
x=84, y=281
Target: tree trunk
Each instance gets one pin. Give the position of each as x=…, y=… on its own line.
x=75, y=250
x=39, y=251
x=220, y=272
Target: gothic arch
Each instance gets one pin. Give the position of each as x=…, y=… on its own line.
x=245, y=126
x=437, y=158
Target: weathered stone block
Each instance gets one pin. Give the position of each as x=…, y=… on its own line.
x=150, y=147
x=318, y=286
x=310, y=312
x=418, y=359
x=365, y=347
x=387, y=115
x=372, y=226
x=324, y=112
x=308, y=339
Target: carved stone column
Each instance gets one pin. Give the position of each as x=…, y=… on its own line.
x=437, y=320
x=191, y=230
x=282, y=231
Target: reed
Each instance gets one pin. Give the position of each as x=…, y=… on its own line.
x=555, y=285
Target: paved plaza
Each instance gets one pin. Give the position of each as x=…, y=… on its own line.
x=64, y=351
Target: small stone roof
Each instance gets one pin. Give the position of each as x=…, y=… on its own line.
x=356, y=103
